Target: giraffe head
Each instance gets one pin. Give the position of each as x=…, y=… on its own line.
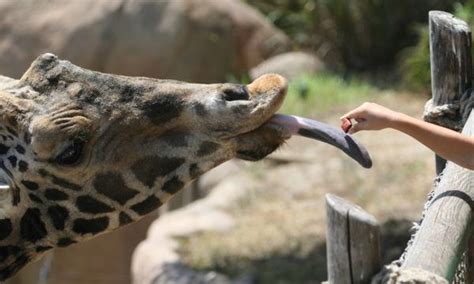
x=84, y=153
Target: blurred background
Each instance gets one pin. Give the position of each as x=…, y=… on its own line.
x=336, y=55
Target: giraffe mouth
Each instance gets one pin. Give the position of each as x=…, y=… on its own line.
x=278, y=127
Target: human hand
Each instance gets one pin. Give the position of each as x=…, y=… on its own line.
x=369, y=116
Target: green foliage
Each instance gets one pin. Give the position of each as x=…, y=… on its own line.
x=415, y=61
x=351, y=34
x=465, y=11
x=309, y=95
x=368, y=34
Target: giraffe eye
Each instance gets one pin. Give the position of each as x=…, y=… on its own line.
x=71, y=154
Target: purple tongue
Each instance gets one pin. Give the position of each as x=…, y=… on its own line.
x=325, y=133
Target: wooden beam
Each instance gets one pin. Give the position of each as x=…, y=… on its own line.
x=353, y=242
x=446, y=227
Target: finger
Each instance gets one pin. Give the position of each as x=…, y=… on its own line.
x=355, y=113
x=347, y=115
x=358, y=127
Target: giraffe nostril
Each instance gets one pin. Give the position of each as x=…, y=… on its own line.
x=236, y=94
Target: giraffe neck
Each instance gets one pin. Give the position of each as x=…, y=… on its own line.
x=76, y=214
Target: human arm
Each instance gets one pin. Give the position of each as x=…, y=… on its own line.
x=447, y=143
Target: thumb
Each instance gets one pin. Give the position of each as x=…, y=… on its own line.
x=362, y=125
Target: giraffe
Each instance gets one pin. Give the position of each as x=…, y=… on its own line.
x=84, y=153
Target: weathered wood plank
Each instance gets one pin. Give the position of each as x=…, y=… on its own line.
x=364, y=245
x=337, y=240
x=353, y=252
x=451, y=71
x=450, y=42
x=446, y=227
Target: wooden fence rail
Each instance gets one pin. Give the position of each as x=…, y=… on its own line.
x=446, y=227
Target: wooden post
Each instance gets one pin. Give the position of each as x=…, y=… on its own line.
x=446, y=227
x=451, y=71
x=353, y=242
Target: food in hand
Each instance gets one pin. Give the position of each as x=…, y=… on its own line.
x=346, y=124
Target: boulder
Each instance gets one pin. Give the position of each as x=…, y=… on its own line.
x=289, y=65
x=192, y=40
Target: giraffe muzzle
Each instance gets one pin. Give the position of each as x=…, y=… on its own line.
x=274, y=87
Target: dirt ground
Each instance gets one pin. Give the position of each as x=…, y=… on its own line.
x=280, y=231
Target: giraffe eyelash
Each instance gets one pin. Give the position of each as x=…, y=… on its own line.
x=71, y=124
x=67, y=114
x=65, y=110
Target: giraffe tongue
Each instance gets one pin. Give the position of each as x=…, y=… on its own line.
x=320, y=131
